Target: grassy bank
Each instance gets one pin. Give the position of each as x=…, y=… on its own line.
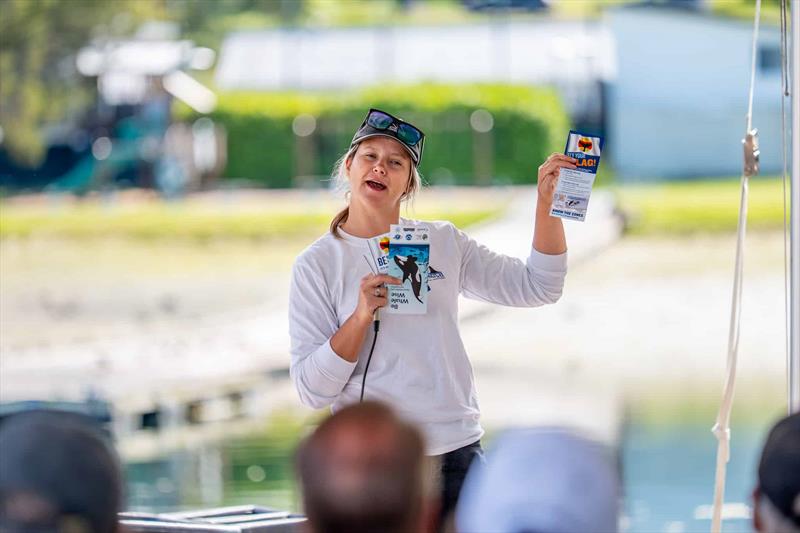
x=660, y=209
x=704, y=206
x=190, y=222
x=759, y=400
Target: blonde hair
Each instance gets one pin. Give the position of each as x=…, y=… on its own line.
x=341, y=182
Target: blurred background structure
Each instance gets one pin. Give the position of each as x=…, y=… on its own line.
x=90, y=109
x=712, y=56
x=162, y=162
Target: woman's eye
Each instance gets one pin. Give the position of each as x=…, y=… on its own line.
x=396, y=163
x=369, y=156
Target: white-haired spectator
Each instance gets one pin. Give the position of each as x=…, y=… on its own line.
x=545, y=480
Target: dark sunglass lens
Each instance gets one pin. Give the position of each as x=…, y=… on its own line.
x=379, y=120
x=409, y=134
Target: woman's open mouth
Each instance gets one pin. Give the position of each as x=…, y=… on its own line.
x=375, y=185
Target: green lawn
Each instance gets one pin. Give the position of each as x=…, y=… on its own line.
x=675, y=208
x=745, y=10
x=705, y=206
x=162, y=221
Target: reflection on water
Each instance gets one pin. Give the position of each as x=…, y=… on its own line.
x=255, y=470
x=668, y=473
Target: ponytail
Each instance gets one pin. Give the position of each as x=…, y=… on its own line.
x=338, y=220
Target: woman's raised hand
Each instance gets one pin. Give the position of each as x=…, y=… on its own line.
x=373, y=295
x=548, y=175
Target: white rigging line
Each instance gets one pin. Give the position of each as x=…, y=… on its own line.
x=756, y=24
x=721, y=428
x=794, y=221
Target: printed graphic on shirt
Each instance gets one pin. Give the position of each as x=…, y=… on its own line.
x=409, y=253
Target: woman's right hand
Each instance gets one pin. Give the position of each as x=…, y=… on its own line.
x=347, y=342
x=373, y=295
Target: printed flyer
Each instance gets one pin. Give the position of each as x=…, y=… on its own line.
x=574, y=187
x=379, y=253
x=409, y=255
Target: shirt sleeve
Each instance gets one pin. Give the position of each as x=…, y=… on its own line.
x=318, y=373
x=504, y=280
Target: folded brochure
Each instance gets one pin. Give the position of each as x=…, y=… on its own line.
x=571, y=197
x=409, y=256
x=379, y=253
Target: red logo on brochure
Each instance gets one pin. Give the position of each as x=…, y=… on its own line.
x=585, y=144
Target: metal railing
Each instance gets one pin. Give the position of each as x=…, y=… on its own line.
x=244, y=518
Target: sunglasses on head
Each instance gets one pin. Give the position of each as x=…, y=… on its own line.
x=404, y=131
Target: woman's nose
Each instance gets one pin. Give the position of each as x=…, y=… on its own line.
x=379, y=169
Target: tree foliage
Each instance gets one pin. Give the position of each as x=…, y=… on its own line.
x=37, y=39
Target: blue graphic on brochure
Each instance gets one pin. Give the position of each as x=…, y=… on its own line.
x=409, y=258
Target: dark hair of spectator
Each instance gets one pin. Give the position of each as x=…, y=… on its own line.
x=362, y=470
x=779, y=468
x=58, y=472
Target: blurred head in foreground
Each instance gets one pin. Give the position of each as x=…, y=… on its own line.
x=58, y=473
x=364, y=470
x=776, y=498
x=541, y=481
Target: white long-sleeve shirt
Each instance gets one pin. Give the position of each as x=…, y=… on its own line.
x=419, y=365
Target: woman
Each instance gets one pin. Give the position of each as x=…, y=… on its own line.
x=419, y=365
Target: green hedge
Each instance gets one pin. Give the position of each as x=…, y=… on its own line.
x=529, y=123
x=701, y=206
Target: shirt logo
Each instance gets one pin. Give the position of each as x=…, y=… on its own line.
x=434, y=274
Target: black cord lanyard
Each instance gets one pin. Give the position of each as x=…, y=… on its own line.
x=376, y=326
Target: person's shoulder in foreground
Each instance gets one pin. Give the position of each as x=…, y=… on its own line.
x=541, y=480
x=58, y=472
x=776, y=498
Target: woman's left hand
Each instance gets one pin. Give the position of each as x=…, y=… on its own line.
x=548, y=175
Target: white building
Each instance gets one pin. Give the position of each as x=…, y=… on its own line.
x=677, y=107
x=572, y=56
